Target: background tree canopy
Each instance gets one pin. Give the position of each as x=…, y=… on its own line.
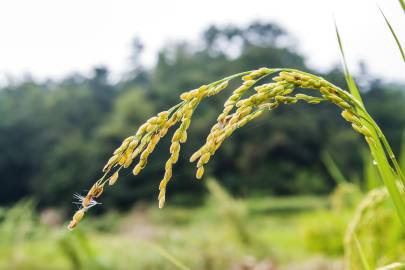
x=55, y=136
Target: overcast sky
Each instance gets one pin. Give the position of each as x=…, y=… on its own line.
x=52, y=38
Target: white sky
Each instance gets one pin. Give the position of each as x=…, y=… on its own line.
x=52, y=38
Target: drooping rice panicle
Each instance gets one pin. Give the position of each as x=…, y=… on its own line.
x=238, y=111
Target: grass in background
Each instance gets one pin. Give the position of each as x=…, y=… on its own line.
x=351, y=84
x=333, y=169
x=225, y=232
x=401, y=50
x=402, y=3
x=369, y=241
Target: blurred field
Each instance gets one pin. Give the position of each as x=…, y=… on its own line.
x=224, y=233
x=297, y=232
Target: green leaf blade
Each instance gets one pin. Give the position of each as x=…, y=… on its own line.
x=401, y=50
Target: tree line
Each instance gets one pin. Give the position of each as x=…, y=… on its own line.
x=56, y=135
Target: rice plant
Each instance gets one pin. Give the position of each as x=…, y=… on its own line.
x=288, y=87
x=364, y=245
x=364, y=242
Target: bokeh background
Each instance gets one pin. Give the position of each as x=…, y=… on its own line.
x=76, y=78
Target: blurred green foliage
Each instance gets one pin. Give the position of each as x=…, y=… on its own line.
x=373, y=237
x=56, y=135
x=380, y=237
x=222, y=233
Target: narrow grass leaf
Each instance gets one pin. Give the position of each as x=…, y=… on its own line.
x=351, y=84
x=401, y=50
x=402, y=2
x=333, y=169
x=165, y=254
x=363, y=258
x=402, y=153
